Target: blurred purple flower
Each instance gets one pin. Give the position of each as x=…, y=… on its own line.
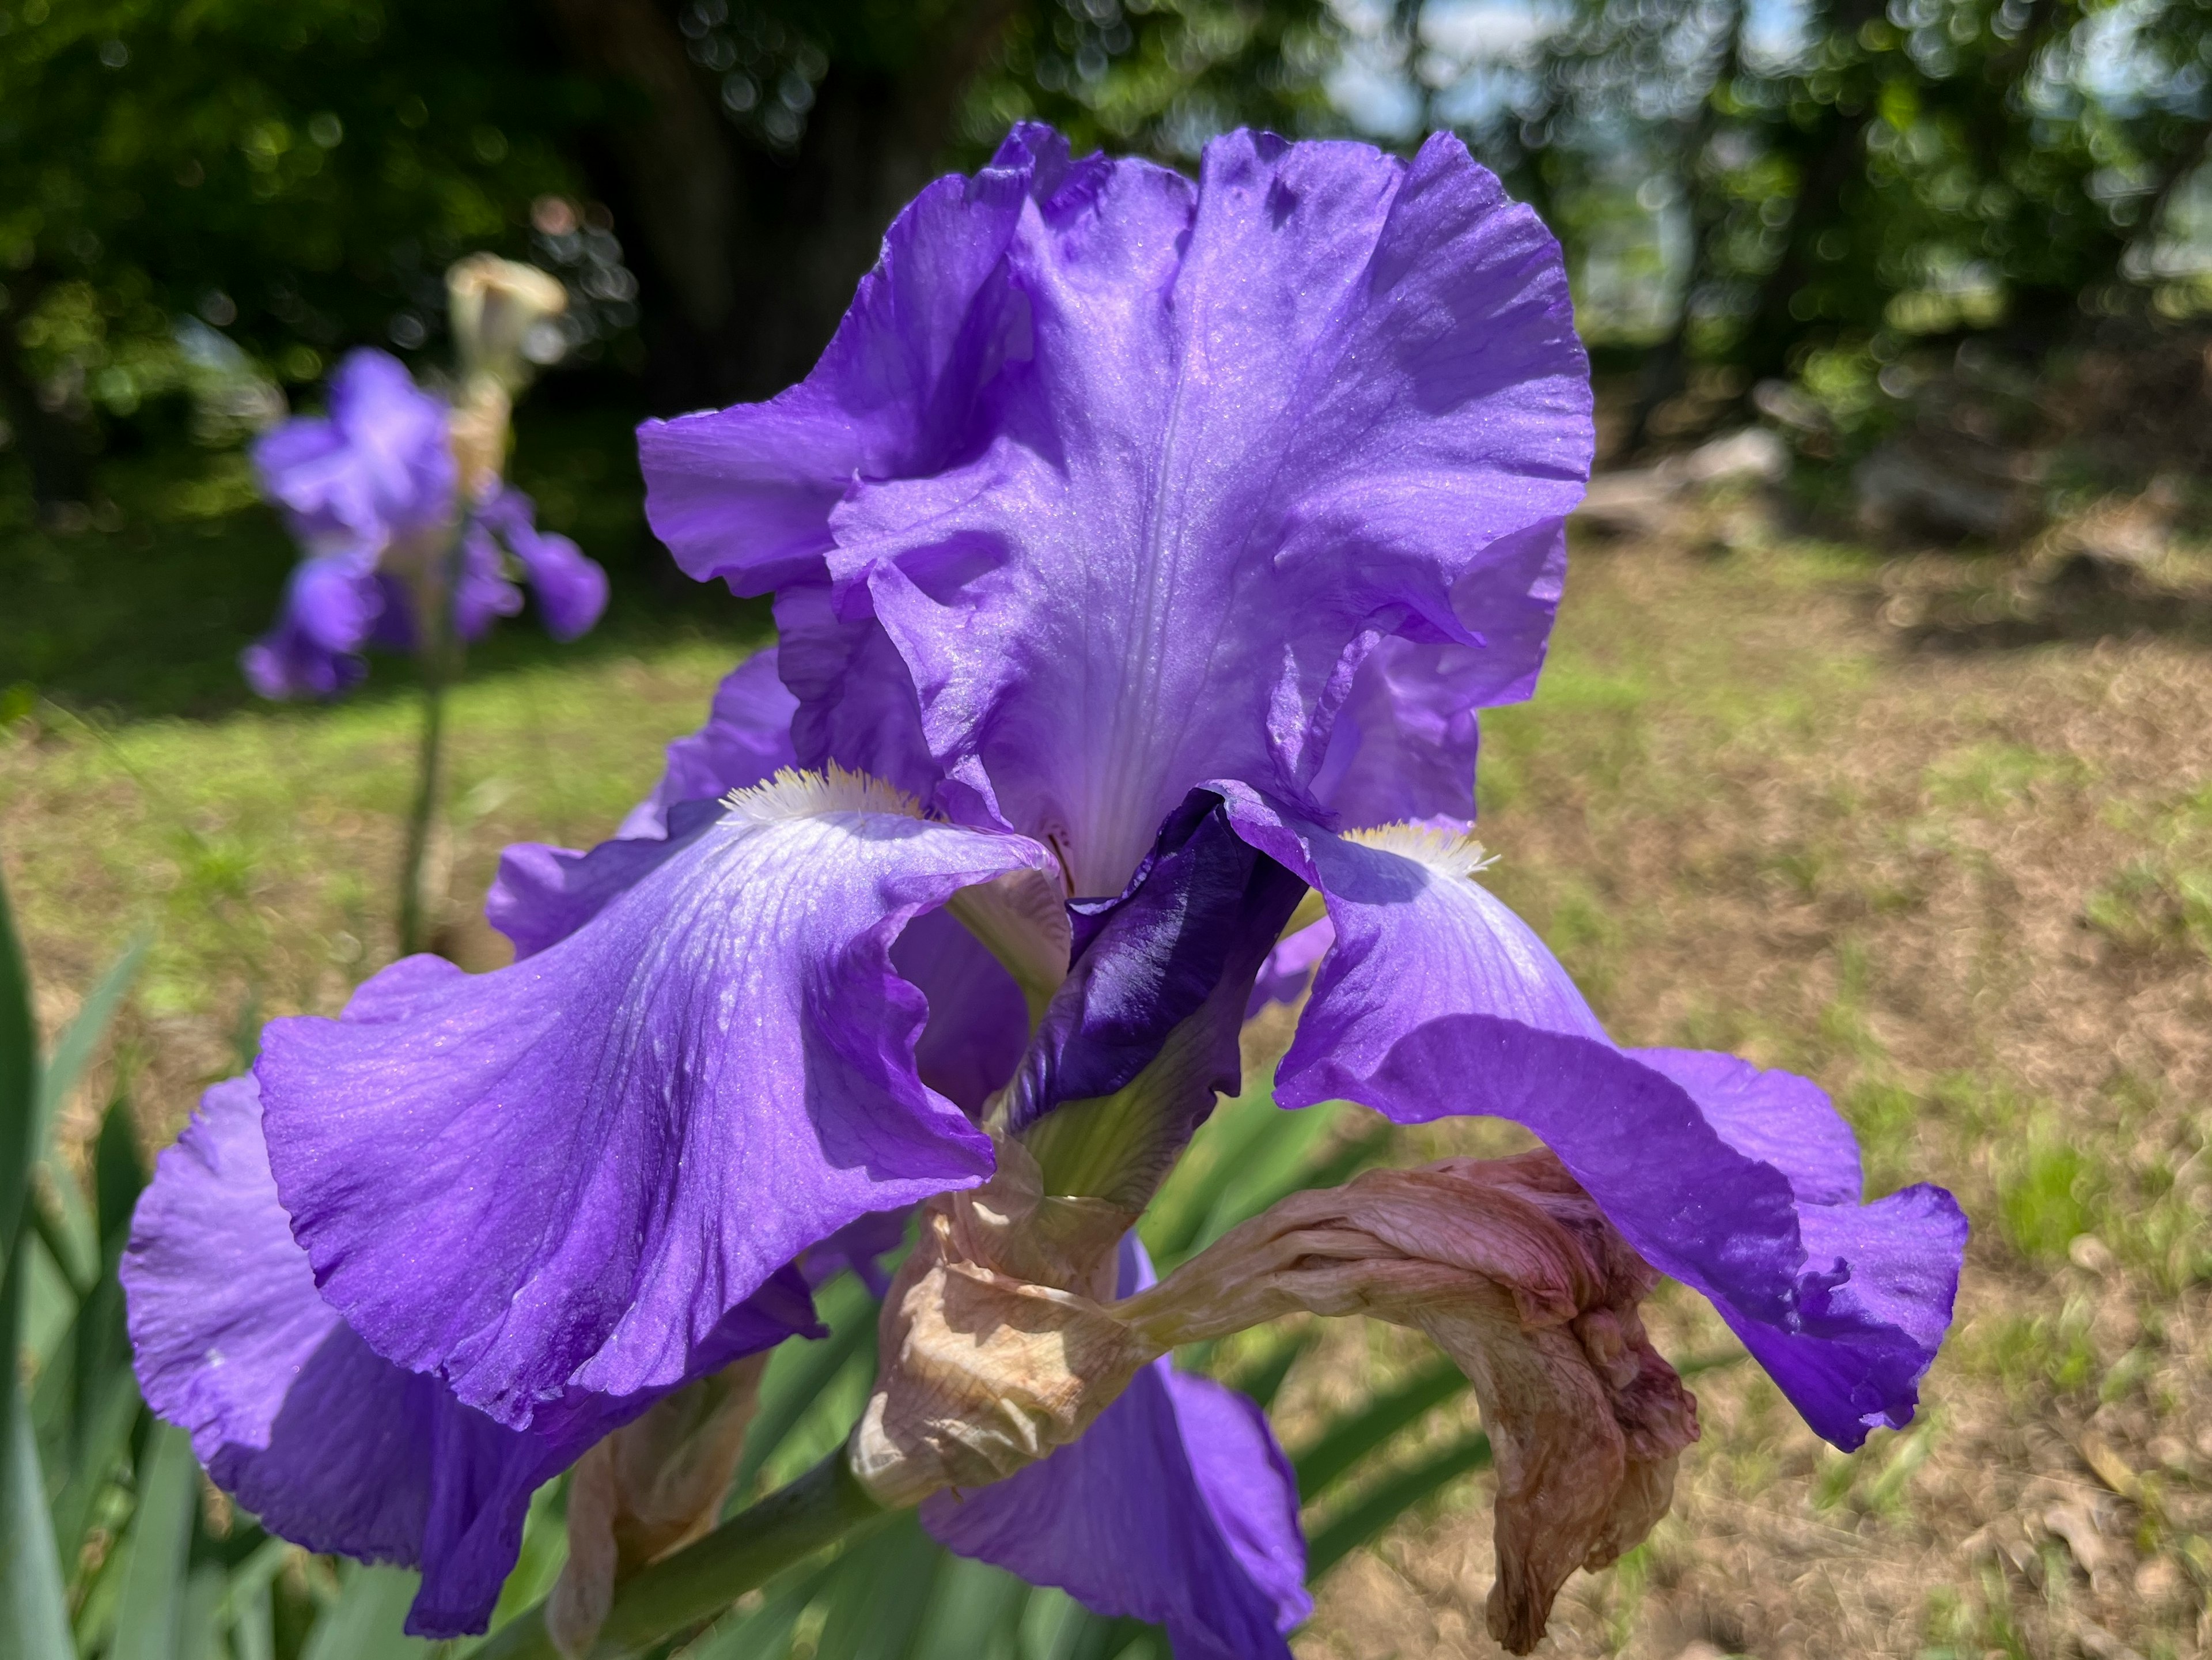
x=1135, y=543
x=372, y=493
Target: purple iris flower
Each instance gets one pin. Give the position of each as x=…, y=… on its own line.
x=373, y=494
x=1141, y=550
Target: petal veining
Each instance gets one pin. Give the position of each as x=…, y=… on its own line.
x=566, y=1172
x=327, y=1444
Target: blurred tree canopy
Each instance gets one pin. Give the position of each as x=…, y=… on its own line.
x=1848, y=173
x=191, y=190
x=209, y=196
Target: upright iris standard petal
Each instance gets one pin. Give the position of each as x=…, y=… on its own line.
x=856, y=702
x=618, y=1140
x=1404, y=744
x=376, y=469
x=1436, y=999
x=1137, y=475
x=327, y=1444
x=746, y=493
x=1177, y=1507
x=1266, y=421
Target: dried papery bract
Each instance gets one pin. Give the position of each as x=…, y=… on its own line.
x=996, y=1343
x=650, y=1488
x=1507, y=1264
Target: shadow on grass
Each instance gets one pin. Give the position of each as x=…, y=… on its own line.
x=142, y=613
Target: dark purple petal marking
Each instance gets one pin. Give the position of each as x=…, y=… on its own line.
x=1436, y=999
x=1156, y=996
x=1176, y=1506
x=294, y=1416
x=564, y=1174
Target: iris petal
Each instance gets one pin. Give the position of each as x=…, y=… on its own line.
x=1135, y=474
x=1436, y=999
x=566, y=1172
x=329, y=1445
x=376, y=469
x=1266, y=421
x=332, y=605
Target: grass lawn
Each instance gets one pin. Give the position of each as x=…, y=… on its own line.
x=1969, y=890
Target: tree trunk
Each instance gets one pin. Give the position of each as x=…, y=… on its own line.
x=751, y=256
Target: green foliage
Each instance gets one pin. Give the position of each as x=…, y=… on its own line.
x=296, y=175
x=1158, y=78
x=1850, y=177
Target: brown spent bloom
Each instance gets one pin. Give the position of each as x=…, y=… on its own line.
x=492, y=305
x=649, y=1489
x=997, y=1348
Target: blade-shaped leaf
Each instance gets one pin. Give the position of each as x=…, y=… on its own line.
x=248, y=1612
x=80, y=1039
x=800, y=1379
x=766, y=1632
x=544, y=1549
x=149, y=1614
x=878, y=1594
x=364, y=1623
x=33, y=1607
x=1367, y=1517
x=1263, y=1379
x=974, y=1613
x=1208, y=1165
x=1351, y=1438
x=86, y=1399
x=1268, y=1171
x=18, y=1092
x=72, y=1232
x=201, y=1637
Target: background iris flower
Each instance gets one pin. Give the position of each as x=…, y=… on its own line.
x=374, y=492
x=1141, y=550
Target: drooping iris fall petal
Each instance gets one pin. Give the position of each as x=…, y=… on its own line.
x=327, y=1444
x=1436, y=1000
x=711, y=1074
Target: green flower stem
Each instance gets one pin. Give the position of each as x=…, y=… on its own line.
x=705, y=1578
x=440, y=663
